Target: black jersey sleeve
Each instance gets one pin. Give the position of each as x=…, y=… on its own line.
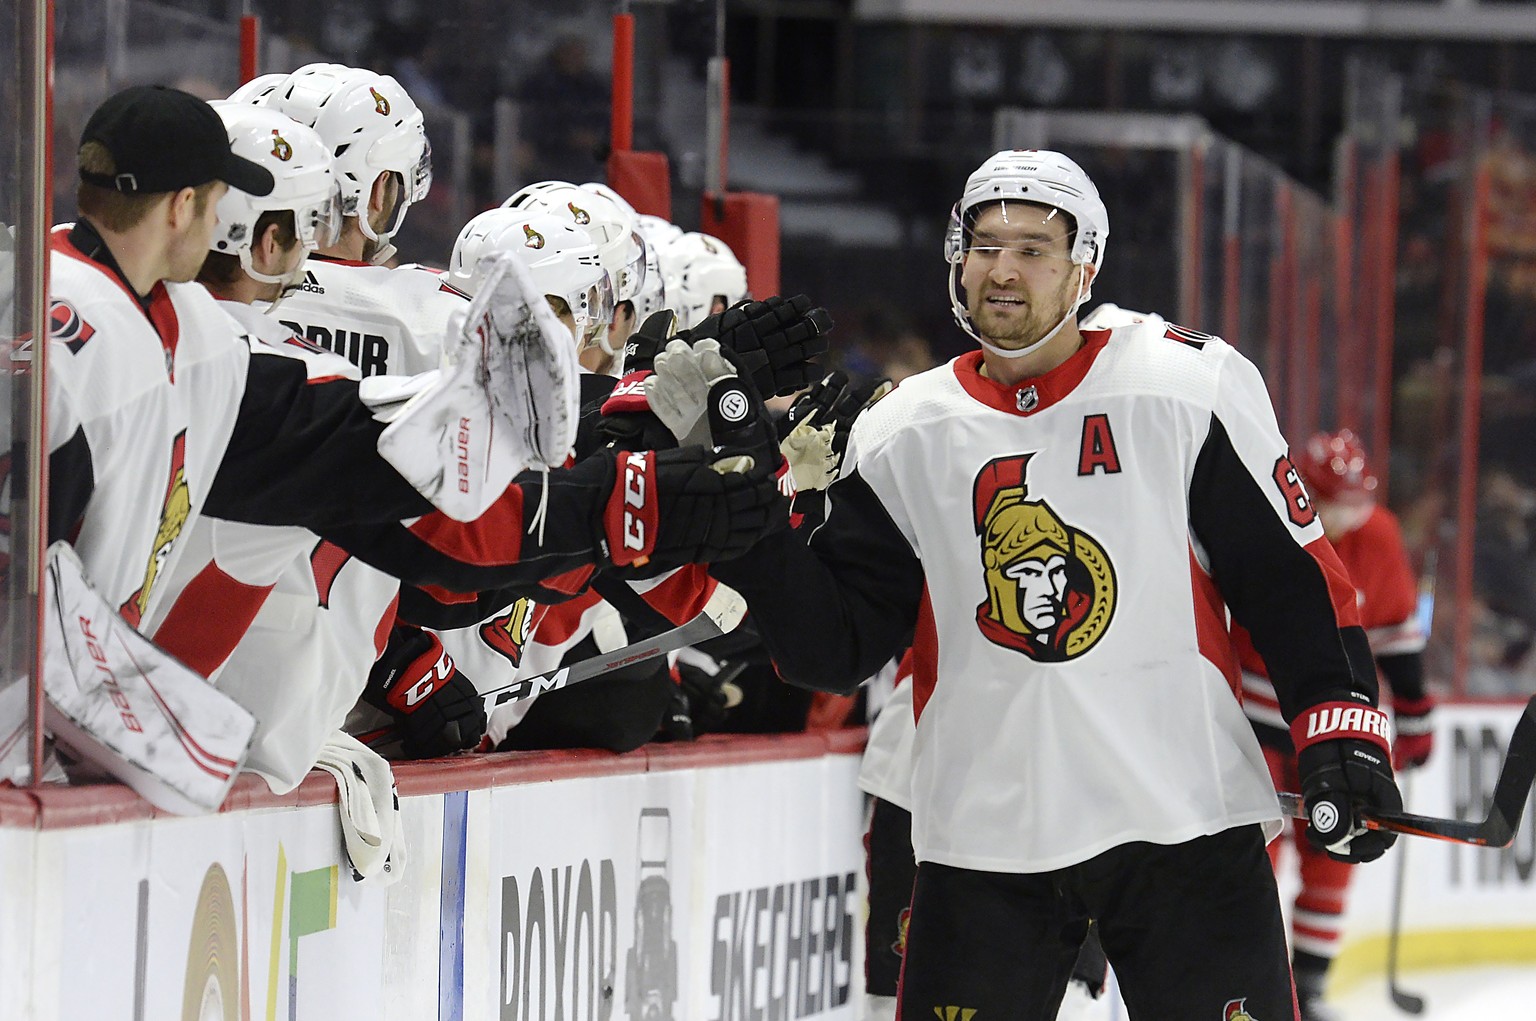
x=306, y=454
x=834, y=610
x=1268, y=557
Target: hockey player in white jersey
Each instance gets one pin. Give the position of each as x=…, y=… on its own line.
x=610, y=223
x=163, y=409
x=703, y=276
x=524, y=638
x=1058, y=524
x=321, y=616
x=386, y=321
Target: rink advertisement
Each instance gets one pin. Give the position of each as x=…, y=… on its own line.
x=713, y=894
x=690, y=890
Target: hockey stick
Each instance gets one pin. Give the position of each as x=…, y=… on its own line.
x=1509, y=797
x=701, y=628
x=1409, y=1003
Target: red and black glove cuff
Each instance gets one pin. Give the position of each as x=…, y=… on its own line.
x=1331, y=721
x=631, y=517
x=628, y=397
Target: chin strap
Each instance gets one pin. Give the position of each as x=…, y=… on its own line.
x=964, y=318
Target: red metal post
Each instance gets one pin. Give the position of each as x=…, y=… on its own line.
x=622, y=128
x=250, y=47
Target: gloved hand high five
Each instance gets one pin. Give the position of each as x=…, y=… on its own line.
x=435, y=707
x=1344, y=757
x=775, y=340
x=673, y=507
x=627, y=422
x=704, y=397
x=815, y=432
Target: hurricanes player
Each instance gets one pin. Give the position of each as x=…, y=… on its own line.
x=1080, y=753
x=1369, y=541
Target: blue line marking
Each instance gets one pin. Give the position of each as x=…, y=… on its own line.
x=450, y=946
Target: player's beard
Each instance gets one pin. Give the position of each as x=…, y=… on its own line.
x=1037, y=318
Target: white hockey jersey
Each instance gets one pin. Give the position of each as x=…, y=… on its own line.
x=1058, y=546
x=385, y=321
x=149, y=397
x=286, y=623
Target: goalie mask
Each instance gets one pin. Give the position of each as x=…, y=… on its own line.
x=609, y=223
x=372, y=127
x=1036, y=177
x=562, y=259
x=702, y=270
x=304, y=184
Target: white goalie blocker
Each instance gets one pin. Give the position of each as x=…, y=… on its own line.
x=505, y=401
x=120, y=706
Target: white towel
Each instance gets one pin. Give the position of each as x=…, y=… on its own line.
x=369, y=806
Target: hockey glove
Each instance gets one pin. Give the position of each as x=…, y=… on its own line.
x=436, y=709
x=626, y=421
x=710, y=687
x=816, y=429
x=679, y=389
x=1413, y=720
x=775, y=339
x=1344, y=760
x=673, y=507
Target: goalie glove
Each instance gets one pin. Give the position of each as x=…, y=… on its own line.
x=435, y=707
x=506, y=400
x=774, y=340
x=1344, y=758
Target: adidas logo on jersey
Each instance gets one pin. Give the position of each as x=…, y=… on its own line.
x=310, y=284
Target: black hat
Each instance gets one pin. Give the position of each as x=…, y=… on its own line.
x=163, y=139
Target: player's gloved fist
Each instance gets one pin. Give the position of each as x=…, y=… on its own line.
x=678, y=391
x=648, y=341
x=673, y=507
x=1413, y=720
x=776, y=339
x=1344, y=760
x=815, y=432
x=435, y=707
x=710, y=687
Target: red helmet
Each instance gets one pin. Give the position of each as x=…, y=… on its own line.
x=1333, y=466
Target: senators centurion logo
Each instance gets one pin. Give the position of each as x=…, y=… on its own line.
x=508, y=633
x=280, y=147
x=1050, y=587
x=380, y=104
x=535, y=239
x=1234, y=1011
x=173, y=517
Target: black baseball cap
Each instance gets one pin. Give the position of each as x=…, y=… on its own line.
x=163, y=139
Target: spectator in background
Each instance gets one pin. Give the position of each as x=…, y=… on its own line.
x=565, y=106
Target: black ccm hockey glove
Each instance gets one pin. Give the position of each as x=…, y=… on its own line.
x=775, y=340
x=436, y=709
x=1343, y=754
x=668, y=508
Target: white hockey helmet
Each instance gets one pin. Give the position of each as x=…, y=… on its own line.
x=256, y=91
x=651, y=295
x=303, y=183
x=561, y=257
x=1037, y=176
x=609, y=223
x=371, y=126
x=701, y=269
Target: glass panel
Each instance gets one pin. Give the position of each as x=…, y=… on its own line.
x=23, y=220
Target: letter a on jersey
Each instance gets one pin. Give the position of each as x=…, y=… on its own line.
x=1050, y=587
